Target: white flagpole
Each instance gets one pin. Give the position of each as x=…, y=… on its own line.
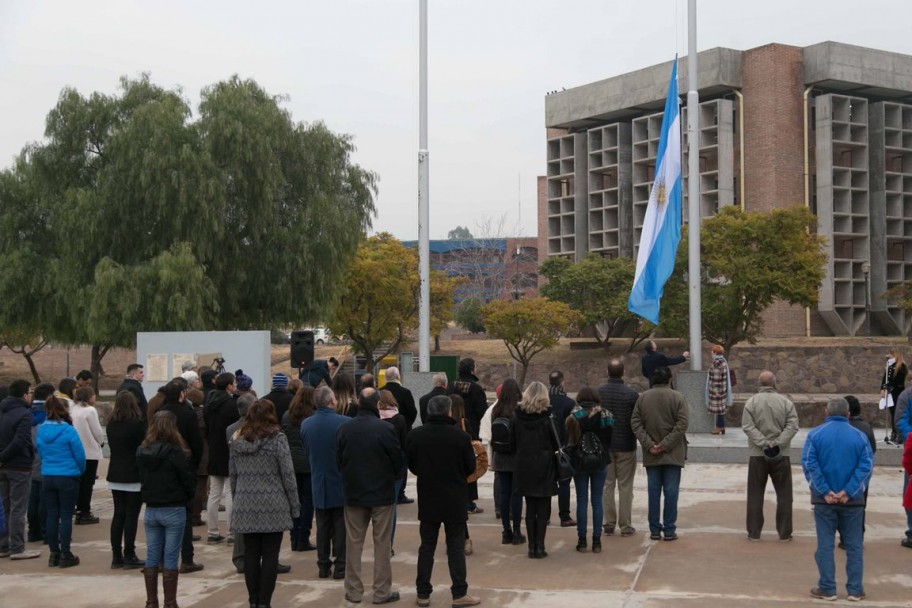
x=693, y=191
x=424, y=274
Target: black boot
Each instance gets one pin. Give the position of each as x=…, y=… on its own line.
x=68, y=560
x=518, y=537
x=540, y=552
x=506, y=537
x=131, y=561
x=596, y=544
x=581, y=544
x=117, y=561
x=530, y=532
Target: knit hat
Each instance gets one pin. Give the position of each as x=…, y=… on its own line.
x=244, y=382
x=280, y=380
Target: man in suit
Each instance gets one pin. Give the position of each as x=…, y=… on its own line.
x=406, y=403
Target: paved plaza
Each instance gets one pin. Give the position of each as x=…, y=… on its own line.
x=712, y=564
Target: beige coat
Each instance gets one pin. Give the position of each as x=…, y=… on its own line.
x=769, y=418
x=660, y=417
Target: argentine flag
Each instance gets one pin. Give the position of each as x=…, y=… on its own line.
x=662, y=224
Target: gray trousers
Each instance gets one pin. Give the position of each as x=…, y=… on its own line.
x=14, y=490
x=356, y=521
x=621, y=471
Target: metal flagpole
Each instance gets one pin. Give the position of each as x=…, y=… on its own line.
x=693, y=191
x=424, y=274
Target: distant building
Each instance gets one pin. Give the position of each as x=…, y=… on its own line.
x=492, y=269
x=828, y=126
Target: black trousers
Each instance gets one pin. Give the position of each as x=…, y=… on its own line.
x=86, y=484
x=125, y=520
x=758, y=471
x=331, y=538
x=261, y=565
x=187, y=542
x=455, y=543
x=538, y=512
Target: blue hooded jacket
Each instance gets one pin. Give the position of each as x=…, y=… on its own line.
x=837, y=457
x=60, y=449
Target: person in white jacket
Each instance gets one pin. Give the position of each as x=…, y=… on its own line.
x=87, y=425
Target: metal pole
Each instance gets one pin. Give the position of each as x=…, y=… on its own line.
x=424, y=255
x=693, y=191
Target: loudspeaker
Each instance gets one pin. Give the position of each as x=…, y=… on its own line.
x=302, y=348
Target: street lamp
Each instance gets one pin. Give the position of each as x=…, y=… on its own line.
x=866, y=269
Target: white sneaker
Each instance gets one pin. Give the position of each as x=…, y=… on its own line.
x=26, y=555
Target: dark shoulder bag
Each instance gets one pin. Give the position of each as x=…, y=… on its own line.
x=562, y=462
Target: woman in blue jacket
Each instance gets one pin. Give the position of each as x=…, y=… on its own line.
x=62, y=464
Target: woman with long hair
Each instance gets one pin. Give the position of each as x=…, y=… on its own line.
x=86, y=423
x=504, y=462
x=588, y=420
x=126, y=431
x=719, y=389
x=300, y=408
x=894, y=381
x=62, y=463
x=389, y=411
x=346, y=395
x=265, y=497
x=534, y=473
x=168, y=484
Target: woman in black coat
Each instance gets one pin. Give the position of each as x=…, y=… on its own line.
x=534, y=473
x=126, y=431
x=300, y=408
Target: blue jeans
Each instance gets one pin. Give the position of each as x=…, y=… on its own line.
x=663, y=479
x=60, y=501
x=583, y=481
x=510, y=505
x=164, y=527
x=848, y=521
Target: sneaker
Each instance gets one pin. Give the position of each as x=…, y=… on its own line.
x=26, y=555
x=283, y=569
x=568, y=523
x=188, y=567
x=756, y=539
x=475, y=510
x=405, y=500
x=422, y=601
x=906, y=542
x=389, y=599
x=4, y=553
x=628, y=531
x=671, y=537
x=655, y=536
x=324, y=572
x=215, y=539
x=822, y=595
x=465, y=600
x=856, y=598
x=86, y=519
x=609, y=530
x=789, y=539
x=352, y=600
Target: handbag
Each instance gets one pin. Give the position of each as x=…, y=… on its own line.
x=481, y=458
x=562, y=464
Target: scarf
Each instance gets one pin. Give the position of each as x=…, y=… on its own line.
x=556, y=390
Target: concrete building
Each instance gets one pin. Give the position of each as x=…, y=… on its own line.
x=828, y=126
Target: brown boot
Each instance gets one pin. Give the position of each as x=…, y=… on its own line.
x=151, y=575
x=169, y=583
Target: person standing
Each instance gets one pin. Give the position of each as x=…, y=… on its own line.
x=440, y=382
x=719, y=389
x=473, y=395
x=370, y=459
x=302, y=407
x=534, y=472
x=83, y=378
x=318, y=434
x=219, y=412
x=561, y=406
x=770, y=421
x=86, y=423
x=619, y=399
x=133, y=383
x=858, y=421
x=653, y=359
x=893, y=383
x=440, y=455
x=37, y=512
x=659, y=422
x=17, y=455
x=265, y=497
x=389, y=411
x=126, y=432
x=280, y=396
x=504, y=460
x=406, y=406
x=837, y=462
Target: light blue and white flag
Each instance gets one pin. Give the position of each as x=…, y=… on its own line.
x=662, y=224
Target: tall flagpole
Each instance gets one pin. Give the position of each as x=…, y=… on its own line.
x=424, y=275
x=693, y=191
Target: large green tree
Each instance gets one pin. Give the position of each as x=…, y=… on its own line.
x=239, y=219
x=747, y=262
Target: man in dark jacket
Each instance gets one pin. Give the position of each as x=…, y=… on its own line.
x=219, y=412
x=174, y=393
x=653, y=360
x=619, y=399
x=440, y=388
x=370, y=459
x=561, y=406
x=17, y=454
x=441, y=456
x=476, y=401
x=279, y=395
x=406, y=403
x=133, y=383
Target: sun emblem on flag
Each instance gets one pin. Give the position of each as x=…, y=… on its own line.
x=661, y=196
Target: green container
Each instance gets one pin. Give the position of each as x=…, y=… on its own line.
x=446, y=363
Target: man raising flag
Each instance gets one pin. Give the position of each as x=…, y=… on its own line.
x=662, y=224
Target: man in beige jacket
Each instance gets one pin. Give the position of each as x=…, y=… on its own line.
x=770, y=421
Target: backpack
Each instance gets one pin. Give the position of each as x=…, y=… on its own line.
x=500, y=435
x=590, y=455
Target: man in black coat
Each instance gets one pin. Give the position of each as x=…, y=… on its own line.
x=370, y=459
x=219, y=412
x=619, y=399
x=133, y=383
x=441, y=456
x=279, y=395
x=476, y=401
x=406, y=403
x=188, y=427
x=561, y=406
x=653, y=360
x=440, y=388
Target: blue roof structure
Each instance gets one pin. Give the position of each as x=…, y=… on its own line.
x=448, y=246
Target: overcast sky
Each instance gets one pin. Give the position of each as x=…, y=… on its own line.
x=354, y=65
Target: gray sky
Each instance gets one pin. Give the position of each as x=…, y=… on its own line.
x=354, y=65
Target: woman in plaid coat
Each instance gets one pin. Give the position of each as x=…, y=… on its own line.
x=719, y=389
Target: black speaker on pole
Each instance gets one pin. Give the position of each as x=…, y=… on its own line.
x=302, y=348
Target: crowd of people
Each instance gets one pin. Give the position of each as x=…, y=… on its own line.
x=326, y=454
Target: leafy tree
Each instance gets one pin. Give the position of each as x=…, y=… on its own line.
x=747, y=261
x=459, y=233
x=443, y=289
x=528, y=326
x=902, y=295
x=597, y=288
x=469, y=316
x=24, y=344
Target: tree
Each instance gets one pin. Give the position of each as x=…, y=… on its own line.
x=747, y=261
x=443, y=289
x=481, y=262
x=597, y=288
x=902, y=295
x=459, y=233
x=528, y=326
x=24, y=344
x=150, y=221
x=469, y=316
